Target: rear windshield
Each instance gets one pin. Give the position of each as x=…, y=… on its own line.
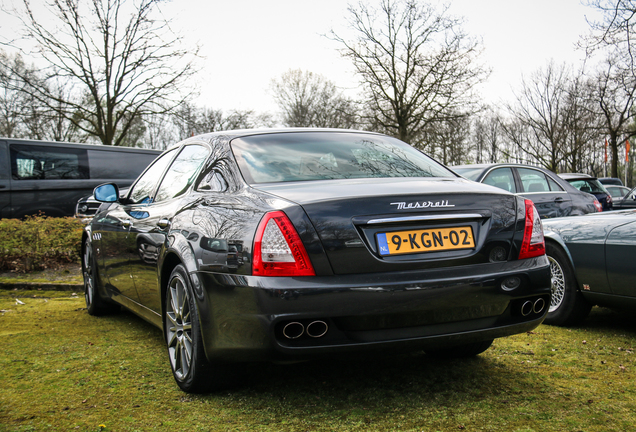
x=287, y=157
x=589, y=186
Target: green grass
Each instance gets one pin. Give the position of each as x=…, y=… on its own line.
x=65, y=370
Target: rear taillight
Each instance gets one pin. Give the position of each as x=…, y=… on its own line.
x=598, y=205
x=533, y=244
x=278, y=250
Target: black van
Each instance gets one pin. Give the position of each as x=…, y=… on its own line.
x=49, y=177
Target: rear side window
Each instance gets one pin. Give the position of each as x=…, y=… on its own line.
x=143, y=189
x=501, y=178
x=307, y=156
x=48, y=163
x=533, y=180
x=182, y=172
x=554, y=185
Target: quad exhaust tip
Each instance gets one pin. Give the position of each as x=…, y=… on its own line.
x=314, y=329
x=293, y=330
x=529, y=307
x=317, y=329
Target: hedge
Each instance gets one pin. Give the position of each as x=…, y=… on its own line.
x=39, y=242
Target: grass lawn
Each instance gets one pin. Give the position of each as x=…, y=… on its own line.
x=65, y=370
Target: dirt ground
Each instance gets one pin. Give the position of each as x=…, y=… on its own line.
x=65, y=273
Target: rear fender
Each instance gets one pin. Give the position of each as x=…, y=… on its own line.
x=556, y=238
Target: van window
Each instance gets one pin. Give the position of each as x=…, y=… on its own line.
x=111, y=164
x=43, y=162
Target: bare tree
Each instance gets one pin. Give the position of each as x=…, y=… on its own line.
x=614, y=31
x=21, y=114
x=541, y=106
x=613, y=37
x=118, y=60
x=614, y=94
x=416, y=64
x=307, y=99
x=451, y=140
x=14, y=103
x=487, y=138
x=190, y=120
x=584, y=127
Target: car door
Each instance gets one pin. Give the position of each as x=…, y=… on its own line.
x=627, y=202
x=548, y=197
x=118, y=239
x=620, y=250
x=152, y=224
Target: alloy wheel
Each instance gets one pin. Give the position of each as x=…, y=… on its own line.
x=179, y=328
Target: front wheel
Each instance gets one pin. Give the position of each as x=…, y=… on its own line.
x=95, y=305
x=567, y=304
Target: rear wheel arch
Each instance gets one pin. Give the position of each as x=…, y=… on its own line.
x=567, y=305
x=169, y=263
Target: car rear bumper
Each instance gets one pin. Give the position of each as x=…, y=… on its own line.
x=247, y=318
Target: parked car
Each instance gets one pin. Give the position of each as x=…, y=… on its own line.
x=349, y=242
x=617, y=192
x=626, y=202
x=552, y=196
x=589, y=184
x=50, y=177
x=591, y=261
x=610, y=181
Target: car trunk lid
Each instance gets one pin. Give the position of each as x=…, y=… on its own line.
x=365, y=226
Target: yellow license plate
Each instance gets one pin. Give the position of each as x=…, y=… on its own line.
x=425, y=240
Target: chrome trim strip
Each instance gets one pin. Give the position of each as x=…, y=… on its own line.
x=426, y=217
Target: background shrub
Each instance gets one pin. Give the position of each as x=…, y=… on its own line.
x=39, y=242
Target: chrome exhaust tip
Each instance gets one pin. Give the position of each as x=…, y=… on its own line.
x=538, y=306
x=293, y=330
x=317, y=329
x=526, y=309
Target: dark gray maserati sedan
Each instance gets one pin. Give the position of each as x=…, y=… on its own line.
x=291, y=244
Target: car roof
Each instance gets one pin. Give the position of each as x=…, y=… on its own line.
x=240, y=133
x=491, y=165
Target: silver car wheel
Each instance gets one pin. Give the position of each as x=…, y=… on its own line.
x=179, y=328
x=558, y=284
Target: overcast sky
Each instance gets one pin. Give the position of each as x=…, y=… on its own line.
x=247, y=43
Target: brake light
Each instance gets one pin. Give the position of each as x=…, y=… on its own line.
x=533, y=243
x=278, y=250
x=598, y=205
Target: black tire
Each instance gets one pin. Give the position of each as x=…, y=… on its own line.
x=95, y=304
x=461, y=351
x=190, y=367
x=567, y=305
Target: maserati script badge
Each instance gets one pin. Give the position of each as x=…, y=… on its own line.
x=423, y=204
